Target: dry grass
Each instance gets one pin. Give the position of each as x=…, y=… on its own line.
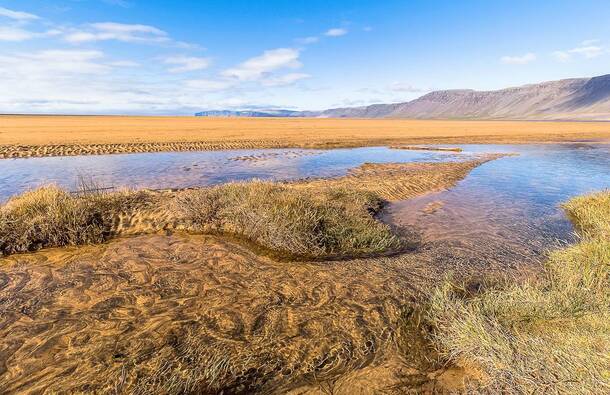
x=283, y=219
x=546, y=336
x=51, y=217
x=291, y=221
x=22, y=136
x=591, y=214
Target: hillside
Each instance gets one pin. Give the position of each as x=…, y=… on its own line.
x=569, y=99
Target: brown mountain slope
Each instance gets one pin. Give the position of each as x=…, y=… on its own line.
x=573, y=99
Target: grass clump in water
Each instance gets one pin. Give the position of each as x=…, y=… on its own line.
x=298, y=222
x=52, y=217
x=282, y=219
x=545, y=336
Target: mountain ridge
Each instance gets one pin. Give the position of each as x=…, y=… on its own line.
x=566, y=99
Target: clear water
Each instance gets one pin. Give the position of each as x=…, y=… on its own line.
x=187, y=169
x=507, y=210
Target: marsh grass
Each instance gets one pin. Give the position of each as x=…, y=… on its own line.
x=52, y=217
x=310, y=223
x=550, y=335
x=283, y=219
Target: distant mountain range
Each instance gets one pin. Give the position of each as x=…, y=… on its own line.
x=570, y=99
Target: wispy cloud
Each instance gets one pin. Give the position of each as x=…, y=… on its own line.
x=53, y=63
x=259, y=66
x=119, y=32
x=336, y=32
x=183, y=64
x=16, y=34
x=17, y=15
x=120, y=3
x=587, y=49
x=308, y=40
x=208, y=85
x=404, y=87
x=285, y=80
x=522, y=59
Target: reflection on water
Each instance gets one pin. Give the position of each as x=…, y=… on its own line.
x=186, y=169
x=508, y=210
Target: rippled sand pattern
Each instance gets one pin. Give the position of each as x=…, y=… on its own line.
x=397, y=181
x=176, y=313
x=267, y=156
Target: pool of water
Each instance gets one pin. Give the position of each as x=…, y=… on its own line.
x=187, y=169
x=507, y=210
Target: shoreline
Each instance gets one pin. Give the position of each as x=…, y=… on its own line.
x=67, y=150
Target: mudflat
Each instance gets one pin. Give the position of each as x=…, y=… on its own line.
x=24, y=136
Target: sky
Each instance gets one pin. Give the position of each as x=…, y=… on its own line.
x=171, y=57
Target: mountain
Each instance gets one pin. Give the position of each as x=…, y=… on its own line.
x=248, y=113
x=570, y=99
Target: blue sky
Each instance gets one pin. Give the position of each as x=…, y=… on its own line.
x=178, y=57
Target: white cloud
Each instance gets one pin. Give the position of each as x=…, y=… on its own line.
x=124, y=63
x=589, y=52
x=17, y=34
x=586, y=43
x=119, y=32
x=523, y=59
x=286, y=79
x=187, y=63
x=335, y=32
x=367, y=29
x=259, y=66
x=17, y=15
x=308, y=40
x=586, y=49
x=50, y=63
x=205, y=85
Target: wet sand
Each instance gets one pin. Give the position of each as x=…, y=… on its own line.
x=184, y=313
x=177, y=313
x=35, y=136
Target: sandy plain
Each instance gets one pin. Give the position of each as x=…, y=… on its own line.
x=25, y=136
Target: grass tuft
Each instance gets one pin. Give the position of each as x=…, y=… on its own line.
x=284, y=220
x=545, y=336
x=312, y=223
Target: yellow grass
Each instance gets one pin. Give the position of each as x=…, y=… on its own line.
x=547, y=336
x=70, y=135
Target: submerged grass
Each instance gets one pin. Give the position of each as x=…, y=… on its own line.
x=283, y=219
x=546, y=336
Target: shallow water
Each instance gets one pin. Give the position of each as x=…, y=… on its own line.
x=508, y=210
x=187, y=169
